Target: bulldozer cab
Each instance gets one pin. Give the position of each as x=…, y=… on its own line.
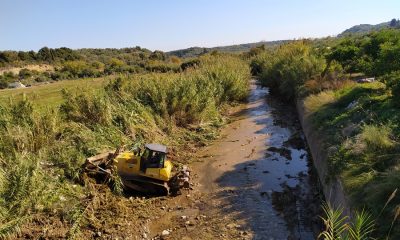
x=153, y=157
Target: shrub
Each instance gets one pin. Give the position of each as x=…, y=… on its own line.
x=90, y=109
x=82, y=69
x=392, y=81
x=4, y=81
x=25, y=73
x=60, y=75
x=42, y=78
x=114, y=65
x=377, y=137
x=314, y=102
x=288, y=67
x=258, y=63
x=190, y=64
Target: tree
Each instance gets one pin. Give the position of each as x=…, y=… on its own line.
x=32, y=55
x=24, y=56
x=45, y=54
x=347, y=55
x=388, y=59
x=392, y=80
x=65, y=54
x=8, y=56
x=157, y=55
x=394, y=23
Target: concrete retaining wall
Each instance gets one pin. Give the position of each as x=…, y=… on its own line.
x=333, y=189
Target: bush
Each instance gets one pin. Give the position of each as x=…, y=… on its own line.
x=3, y=83
x=42, y=78
x=287, y=68
x=258, y=63
x=314, y=102
x=90, y=109
x=60, y=75
x=194, y=96
x=190, y=64
x=25, y=73
x=81, y=69
x=114, y=65
x=377, y=138
x=6, y=78
x=392, y=81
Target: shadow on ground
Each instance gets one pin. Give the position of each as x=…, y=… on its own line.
x=277, y=196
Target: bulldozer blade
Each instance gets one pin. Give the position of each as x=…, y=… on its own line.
x=145, y=185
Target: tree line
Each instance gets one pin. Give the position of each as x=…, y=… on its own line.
x=84, y=63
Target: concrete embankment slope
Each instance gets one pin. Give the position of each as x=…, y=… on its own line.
x=333, y=188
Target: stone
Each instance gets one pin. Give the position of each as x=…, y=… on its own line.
x=231, y=225
x=165, y=233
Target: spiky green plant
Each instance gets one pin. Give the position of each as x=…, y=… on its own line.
x=335, y=223
x=361, y=227
x=341, y=227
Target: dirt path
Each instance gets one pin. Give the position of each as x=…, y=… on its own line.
x=254, y=183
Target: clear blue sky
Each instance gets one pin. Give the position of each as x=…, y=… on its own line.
x=175, y=24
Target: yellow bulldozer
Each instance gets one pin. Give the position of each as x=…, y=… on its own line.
x=144, y=169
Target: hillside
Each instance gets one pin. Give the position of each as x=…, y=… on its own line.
x=366, y=28
x=196, y=51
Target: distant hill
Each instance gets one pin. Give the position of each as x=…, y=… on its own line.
x=366, y=28
x=196, y=51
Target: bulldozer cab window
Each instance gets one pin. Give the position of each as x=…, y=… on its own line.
x=154, y=159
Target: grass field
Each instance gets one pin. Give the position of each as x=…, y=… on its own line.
x=49, y=95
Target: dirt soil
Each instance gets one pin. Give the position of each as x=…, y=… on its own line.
x=38, y=67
